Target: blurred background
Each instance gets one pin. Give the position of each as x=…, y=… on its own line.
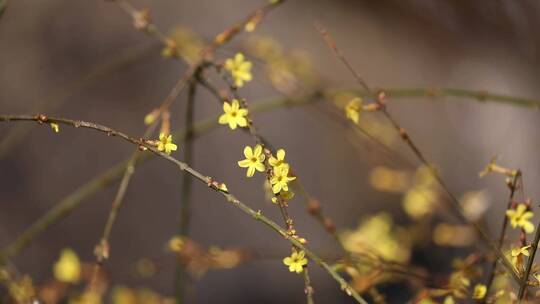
x=47, y=46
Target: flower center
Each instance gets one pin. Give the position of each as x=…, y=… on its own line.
x=233, y=114
x=254, y=159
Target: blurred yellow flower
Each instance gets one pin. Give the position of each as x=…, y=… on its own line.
x=22, y=291
x=234, y=115
x=254, y=160
x=352, y=109
x=419, y=202
x=176, y=243
x=55, y=127
x=123, y=295
x=87, y=297
x=376, y=235
x=239, y=68
x=388, y=180
x=68, y=267
x=479, y=292
x=165, y=143
x=296, y=261
x=519, y=217
x=449, y=300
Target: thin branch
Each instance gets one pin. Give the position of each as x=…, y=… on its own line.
x=146, y=146
x=530, y=261
x=513, y=186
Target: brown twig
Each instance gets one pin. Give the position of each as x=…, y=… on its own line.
x=513, y=187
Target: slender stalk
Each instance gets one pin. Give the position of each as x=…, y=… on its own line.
x=186, y=189
x=513, y=186
x=530, y=261
x=308, y=288
x=146, y=146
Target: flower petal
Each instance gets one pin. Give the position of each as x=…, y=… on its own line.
x=248, y=153
x=258, y=150
x=250, y=171
x=244, y=163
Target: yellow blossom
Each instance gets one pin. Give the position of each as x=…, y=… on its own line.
x=279, y=160
x=479, y=291
x=151, y=117
x=280, y=179
x=254, y=160
x=239, y=68
x=55, y=127
x=517, y=254
x=449, y=300
x=519, y=217
x=419, y=202
x=234, y=115
x=123, y=295
x=68, y=267
x=284, y=195
x=176, y=244
x=352, y=109
x=165, y=143
x=296, y=261
x=22, y=291
x=88, y=297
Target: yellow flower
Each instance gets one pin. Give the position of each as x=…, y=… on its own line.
x=55, y=127
x=280, y=179
x=520, y=218
x=176, y=244
x=234, y=115
x=239, y=68
x=254, y=160
x=517, y=254
x=296, y=261
x=123, y=295
x=165, y=143
x=88, y=297
x=279, y=160
x=352, y=110
x=449, y=300
x=68, y=267
x=284, y=195
x=479, y=291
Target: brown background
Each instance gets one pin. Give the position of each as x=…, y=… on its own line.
x=491, y=45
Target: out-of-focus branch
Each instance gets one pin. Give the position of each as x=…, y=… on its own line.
x=186, y=189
